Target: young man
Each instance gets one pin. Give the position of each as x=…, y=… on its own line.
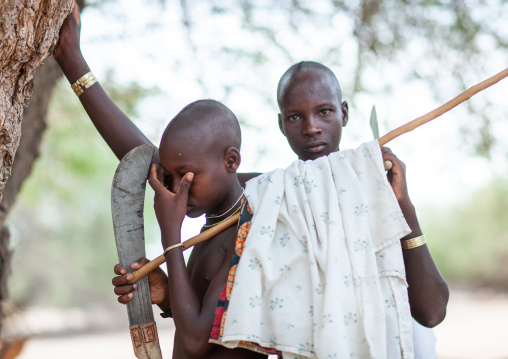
x=199, y=155
x=311, y=117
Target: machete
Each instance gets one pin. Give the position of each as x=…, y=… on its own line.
x=127, y=203
x=375, y=131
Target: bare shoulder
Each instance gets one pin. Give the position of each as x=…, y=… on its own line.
x=244, y=177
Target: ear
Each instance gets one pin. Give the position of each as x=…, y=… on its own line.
x=345, y=110
x=232, y=159
x=281, y=128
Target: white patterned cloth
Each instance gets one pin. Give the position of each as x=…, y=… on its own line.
x=322, y=274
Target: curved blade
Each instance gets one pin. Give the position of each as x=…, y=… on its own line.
x=127, y=202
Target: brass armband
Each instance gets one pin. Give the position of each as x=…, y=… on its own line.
x=83, y=83
x=413, y=242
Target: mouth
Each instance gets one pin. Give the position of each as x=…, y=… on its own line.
x=315, y=146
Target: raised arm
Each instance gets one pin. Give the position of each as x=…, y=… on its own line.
x=114, y=126
x=193, y=316
x=428, y=291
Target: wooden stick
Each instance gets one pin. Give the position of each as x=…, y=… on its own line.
x=203, y=236
x=410, y=126
x=150, y=266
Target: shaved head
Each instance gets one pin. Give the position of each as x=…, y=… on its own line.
x=302, y=68
x=205, y=124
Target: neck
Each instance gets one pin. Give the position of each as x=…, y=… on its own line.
x=228, y=207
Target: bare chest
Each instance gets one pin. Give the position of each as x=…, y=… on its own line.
x=204, y=263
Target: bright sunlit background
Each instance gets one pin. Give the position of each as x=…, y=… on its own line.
x=154, y=57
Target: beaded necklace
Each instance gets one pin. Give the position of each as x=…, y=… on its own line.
x=214, y=224
x=222, y=213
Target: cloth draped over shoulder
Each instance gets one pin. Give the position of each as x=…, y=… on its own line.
x=318, y=270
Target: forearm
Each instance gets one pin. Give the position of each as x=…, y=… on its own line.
x=428, y=291
x=114, y=126
x=193, y=319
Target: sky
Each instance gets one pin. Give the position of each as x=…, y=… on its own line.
x=147, y=43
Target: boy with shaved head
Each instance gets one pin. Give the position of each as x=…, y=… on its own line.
x=199, y=155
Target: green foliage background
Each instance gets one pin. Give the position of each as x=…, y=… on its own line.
x=61, y=224
x=63, y=237
x=62, y=230
x=469, y=241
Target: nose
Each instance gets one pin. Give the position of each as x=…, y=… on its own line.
x=311, y=127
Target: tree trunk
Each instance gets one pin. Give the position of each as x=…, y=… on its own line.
x=28, y=32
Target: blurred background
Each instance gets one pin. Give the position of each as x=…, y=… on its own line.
x=155, y=56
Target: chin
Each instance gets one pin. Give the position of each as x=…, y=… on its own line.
x=194, y=213
x=313, y=156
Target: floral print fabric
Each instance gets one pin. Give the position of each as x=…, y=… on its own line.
x=321, y=273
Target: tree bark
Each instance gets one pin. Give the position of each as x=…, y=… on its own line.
x=28, y=31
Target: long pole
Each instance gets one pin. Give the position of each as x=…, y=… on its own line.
x=410, y=126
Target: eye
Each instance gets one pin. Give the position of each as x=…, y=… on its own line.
x=325, y=112
x=294, y=118
x=168, y=182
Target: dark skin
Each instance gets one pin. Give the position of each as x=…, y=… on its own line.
x=119, y=132
x=202, y=181
x=428, y=292
x=198, y=285
x=312, y=116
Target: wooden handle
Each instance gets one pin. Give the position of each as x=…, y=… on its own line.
x=203, y=236
x=388, y=165
x=410, y=126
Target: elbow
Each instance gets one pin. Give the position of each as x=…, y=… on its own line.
x=196, y=346
x=433, y=314
x=430, y=320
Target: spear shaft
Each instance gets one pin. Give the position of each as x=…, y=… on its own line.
x=410, y=126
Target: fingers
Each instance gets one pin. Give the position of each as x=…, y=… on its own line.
x=122, y=288
x=125, y=289
x=153, y=180
x=389, y=156
x=119, y=270
x=162, y=179
x=124, y=299
x=140, y=263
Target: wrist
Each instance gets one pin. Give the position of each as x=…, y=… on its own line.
x=165, y=305
x=404, y=200
x=170, y=237
x=73, y=65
